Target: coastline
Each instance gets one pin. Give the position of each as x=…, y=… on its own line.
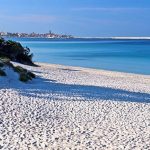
x=74, y=107
x=90, y=69
x=101, y=38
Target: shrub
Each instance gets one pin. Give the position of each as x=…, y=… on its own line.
x=20, y=69
x=23, y=77
x=2, y=73
x=24, y=74
x=1, y=64
x=1, y=40
x=15, y=52
x=32, y=75
x=4, y=60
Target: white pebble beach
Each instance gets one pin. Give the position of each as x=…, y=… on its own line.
x=74, y=108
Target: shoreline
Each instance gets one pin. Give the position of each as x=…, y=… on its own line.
x=91, y=69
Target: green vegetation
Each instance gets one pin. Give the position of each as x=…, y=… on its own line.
x=1, y=64
x=32, y=75
x=25, y=75
x=20, y=69
x=15, y=52
x=2, y=73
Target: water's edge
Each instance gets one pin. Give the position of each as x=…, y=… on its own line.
x=123, y=55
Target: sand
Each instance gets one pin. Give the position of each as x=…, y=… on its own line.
x=75, y=108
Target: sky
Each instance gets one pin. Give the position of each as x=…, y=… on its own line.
x=94, y=18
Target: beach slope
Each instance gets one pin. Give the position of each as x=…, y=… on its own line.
x=75, y=108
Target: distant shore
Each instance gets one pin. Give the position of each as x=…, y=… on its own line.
x=116, y=38
x=76, y=37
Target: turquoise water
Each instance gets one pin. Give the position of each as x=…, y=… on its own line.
x=131, y=56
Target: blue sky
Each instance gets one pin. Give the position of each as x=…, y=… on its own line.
x=77, y=17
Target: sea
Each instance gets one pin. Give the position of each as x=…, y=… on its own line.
x=131, y=56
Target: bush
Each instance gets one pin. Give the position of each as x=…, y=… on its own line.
x=25, y=75
x=1, y=40
x=1, y=64
x=20, y=69
x=32, y=75
x=4, y=60
x=15, y=52
x=2, y=73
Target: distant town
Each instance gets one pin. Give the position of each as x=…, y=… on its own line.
x=35, y=35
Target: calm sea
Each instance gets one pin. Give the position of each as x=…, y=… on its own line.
x=131, y=56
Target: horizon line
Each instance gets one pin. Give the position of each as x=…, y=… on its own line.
x=116, y=37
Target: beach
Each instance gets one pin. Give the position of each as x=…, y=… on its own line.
x=75, y=108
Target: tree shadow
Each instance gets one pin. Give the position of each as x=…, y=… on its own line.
x=52, y=90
